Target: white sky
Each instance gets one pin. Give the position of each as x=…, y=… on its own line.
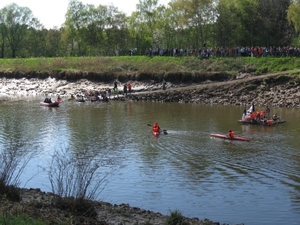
x=52, y=12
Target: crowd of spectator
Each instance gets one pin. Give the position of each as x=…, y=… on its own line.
x=274, y=51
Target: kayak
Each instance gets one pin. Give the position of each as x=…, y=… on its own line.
x=155, y=133
x=59, y=100
x=80, y=100
x=52, y=104
x=224, y=136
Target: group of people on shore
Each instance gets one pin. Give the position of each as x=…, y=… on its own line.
x=126, y=87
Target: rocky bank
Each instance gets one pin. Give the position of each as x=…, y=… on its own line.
x=276, y=90
x=43, y=206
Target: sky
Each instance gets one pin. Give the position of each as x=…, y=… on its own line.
x=51, y=13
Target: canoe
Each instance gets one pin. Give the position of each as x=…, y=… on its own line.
x=52, y=104
x=224, y=136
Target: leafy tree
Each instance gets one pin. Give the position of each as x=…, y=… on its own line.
x=194, y=14
x=53, y=43
x=35, y=40
x=274, y=28
x=75, y=20
x=15, y=22
x=147, y=16
x=293, y=14
x=2, y=37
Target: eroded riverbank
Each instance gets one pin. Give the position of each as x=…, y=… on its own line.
x=273, y=90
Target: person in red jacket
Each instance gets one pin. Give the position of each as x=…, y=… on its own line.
x=129, y=87
x=156, y=127
x=231, y=134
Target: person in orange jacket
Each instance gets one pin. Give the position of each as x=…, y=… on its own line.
x=129, y=87
x=231, y=134
x=156, y=127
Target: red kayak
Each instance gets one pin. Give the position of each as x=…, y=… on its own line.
x=224, y=136
x=52, y=104
x=155, y=133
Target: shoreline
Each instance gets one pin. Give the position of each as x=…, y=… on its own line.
x=243, y=91
x=106, y=213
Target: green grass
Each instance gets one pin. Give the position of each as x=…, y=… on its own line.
x=133, y=64
x=22, y=219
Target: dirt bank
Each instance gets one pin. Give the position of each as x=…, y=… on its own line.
x=43, y=206
x=276, y=90
x=272, y=90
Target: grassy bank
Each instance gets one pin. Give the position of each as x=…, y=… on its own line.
x=181, y=69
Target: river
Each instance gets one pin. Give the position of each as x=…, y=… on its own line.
x=254, y=182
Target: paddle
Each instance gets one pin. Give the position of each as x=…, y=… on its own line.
x=165, y=131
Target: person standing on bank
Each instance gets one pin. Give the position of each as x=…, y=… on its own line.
x=115, y=85
x=129, y=87
x=267, y=112
x=125, y=89
x=164, y=84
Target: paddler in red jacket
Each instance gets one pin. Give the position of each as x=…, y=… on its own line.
x=231, y=134
x=156, y=127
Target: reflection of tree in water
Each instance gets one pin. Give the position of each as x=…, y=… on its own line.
x=81, y=174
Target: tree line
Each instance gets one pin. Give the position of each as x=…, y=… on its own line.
x=104, y=30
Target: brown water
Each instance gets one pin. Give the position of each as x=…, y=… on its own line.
x=254, y=182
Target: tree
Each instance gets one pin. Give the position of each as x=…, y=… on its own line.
x=16, y=20
x=293, y=15
x=75, y=20
x=2, y=36
x=195, y=14
x=53, y=43
x=147, y=14
x=274, y=25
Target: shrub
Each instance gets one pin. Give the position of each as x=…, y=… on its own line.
x=175, y=218
x=79, y=206
x=14, y=157
x=76, y=177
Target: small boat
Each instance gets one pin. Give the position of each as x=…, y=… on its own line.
x=224, y=136
x=71, y=98
x=52, y=104
x=59, y=100
x=80, y=99
x=155, y=133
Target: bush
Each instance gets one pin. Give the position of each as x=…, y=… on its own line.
x=78, y=206
x=175, y=218
x=13, y=159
